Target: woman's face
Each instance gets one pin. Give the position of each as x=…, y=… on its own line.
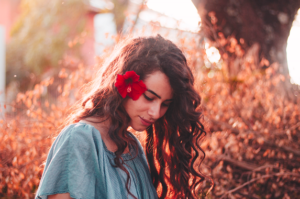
x=151, y=105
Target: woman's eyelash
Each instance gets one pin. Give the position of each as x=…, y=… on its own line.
x=147, y=98
x=150, y=99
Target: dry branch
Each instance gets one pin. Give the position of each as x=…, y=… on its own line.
x=241, y=164
x=255, y=179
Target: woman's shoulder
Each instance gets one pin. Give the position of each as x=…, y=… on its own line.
x=73, y=155
x=78, y=134
x=78, y=129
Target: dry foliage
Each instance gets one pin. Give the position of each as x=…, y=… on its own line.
x=252, y=147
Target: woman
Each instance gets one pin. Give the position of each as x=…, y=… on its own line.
x=145, y=84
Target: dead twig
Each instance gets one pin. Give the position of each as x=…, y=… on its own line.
x=255, y=179
x=241, y=164
x=291, y=128
x=260, y=168
x=141, y=7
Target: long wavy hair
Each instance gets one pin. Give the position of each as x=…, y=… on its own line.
x=172, y=145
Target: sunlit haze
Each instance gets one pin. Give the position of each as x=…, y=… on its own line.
x=182, y=10
x=293, y=51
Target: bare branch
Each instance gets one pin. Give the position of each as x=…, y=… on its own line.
x=255, y=179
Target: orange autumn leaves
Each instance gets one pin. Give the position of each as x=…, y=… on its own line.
x=28, y=130
x=252, y=118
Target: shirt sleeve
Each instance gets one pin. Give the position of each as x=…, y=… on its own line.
x=71, y=165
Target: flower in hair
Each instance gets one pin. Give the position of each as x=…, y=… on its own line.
x=130, y=85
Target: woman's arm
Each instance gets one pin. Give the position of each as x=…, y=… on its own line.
x=60, y=196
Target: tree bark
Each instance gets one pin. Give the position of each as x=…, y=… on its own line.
x=251, y=22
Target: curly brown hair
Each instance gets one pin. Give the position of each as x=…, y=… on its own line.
x=172, y=144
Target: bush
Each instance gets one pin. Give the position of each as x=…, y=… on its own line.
x=252, y=118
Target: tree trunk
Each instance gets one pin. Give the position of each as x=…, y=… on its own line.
x=264, y=23
x=119, y=11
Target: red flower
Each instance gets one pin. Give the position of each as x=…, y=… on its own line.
x=130, y=85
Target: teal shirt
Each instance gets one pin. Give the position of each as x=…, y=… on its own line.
x=79, y=163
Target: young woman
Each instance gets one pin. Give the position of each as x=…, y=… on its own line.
x=145, y=84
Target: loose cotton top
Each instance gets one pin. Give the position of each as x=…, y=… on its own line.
x=80, y=164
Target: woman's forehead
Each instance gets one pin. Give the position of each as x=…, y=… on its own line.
x=158, y=84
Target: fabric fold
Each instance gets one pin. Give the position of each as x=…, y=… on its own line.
x=79, y=163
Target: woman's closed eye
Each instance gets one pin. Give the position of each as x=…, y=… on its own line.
x=148, y=98
x=165, y=105
x=151, y=99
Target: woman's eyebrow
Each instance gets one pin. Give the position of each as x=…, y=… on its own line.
x=154, y=93
x=158, y=95
x=169, y=100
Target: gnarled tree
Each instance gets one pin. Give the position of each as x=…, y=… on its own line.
x=247, y=24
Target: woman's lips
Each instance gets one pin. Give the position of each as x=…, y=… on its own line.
x=146, y=122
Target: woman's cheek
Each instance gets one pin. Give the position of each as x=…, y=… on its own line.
x=163, y=111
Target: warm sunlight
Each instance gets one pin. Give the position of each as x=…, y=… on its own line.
x=293, y=49
x=183, y=11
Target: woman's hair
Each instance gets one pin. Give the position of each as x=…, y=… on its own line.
x=172, y=144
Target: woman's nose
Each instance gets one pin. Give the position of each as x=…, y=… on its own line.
x=154, y=111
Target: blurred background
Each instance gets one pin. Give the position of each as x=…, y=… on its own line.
x=244, y=54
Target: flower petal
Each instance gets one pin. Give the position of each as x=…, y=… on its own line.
x=120, y=81
x=122, y=91
x=138, y=88
x=131, y=74
x=121, y=85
